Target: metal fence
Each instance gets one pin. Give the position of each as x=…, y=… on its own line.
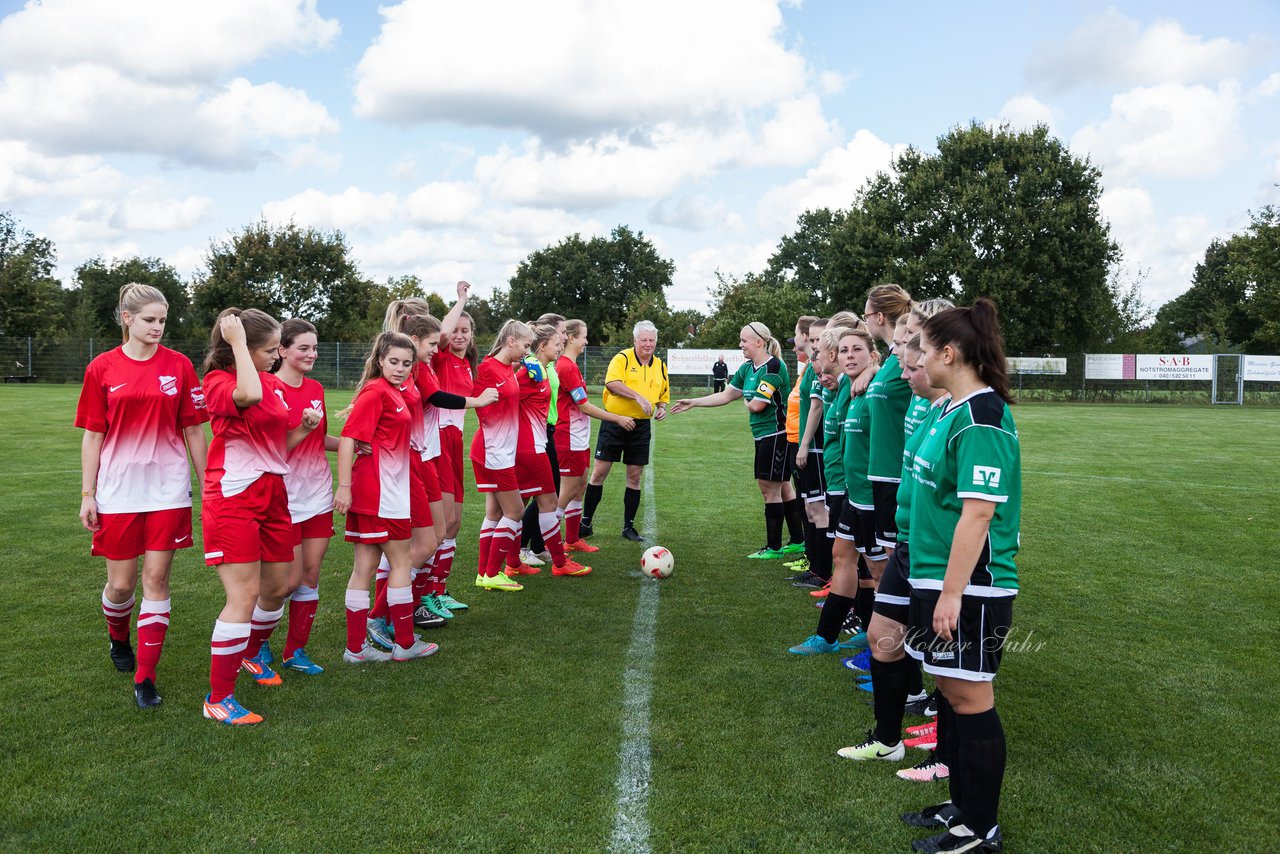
x=340, y=365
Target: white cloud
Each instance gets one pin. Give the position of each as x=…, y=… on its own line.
x=797, y=133
x=442, y=203
x=309, y=155
x=1168, y=130
x=26, y=173
x=567, y=67
x=144, y=210
x=693, y=213
x=1024, y=111
x=160, y=40
x=351, y=209
x=832, y=183
x=1267, y=88
x=1166, y=249
x=695, y=275
x=1114, y=50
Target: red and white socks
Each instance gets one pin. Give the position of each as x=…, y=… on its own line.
x=443, y=565
x=400, y=604
x=357, y=618
x=303, y=603
x=487, y=527
x=260, y=629
x=118, y=615
x=506, y=536
x=549, y=524
x=573, y=521
x=230, y=640
x=153, y=625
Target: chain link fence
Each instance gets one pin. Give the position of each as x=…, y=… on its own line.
x=340, y=364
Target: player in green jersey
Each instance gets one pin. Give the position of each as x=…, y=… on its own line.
x=964, y=523
x=762, y=384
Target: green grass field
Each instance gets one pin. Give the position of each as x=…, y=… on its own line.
x=1141, y=712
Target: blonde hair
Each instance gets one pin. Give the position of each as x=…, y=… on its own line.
x=770, y=343
x=922, y=311
x=418, y=325
x=384, y=343
x=398, y=309
x=133, y=298
x=543, y=331
x=844, y=318
x=890, y=300
x=510, y=329
x=574, y=328
x=549, y=317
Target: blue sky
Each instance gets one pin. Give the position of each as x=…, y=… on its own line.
x=449, y=140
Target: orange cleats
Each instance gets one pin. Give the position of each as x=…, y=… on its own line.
x=228, y=711
x=522, y=569
x=822, y=593
x=581, y=546
x=571, y=567
x=261, y=672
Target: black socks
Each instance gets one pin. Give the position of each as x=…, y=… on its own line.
x=591, y=501
x=794, y=512
x=863, y=603
x=630, y=506
x=890, y=679
x=834, y=610
x=981, y=756
x=773, y=516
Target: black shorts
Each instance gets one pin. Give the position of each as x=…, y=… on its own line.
x=860, y=526
x=811, y=481
x=630, y=446
x=977, y=645
x=773, y=460
x=834, y=501
x=893, y=596
x=886, y=501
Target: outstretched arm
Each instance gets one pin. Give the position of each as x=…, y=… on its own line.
x=450, y=321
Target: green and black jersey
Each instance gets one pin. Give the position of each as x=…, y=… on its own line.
x=834, y=405
x=769, y=381
x=902, y=517
x=969, y=451
x=857, y=446
x=810, y=389
x=888, y=395
x=916, y=411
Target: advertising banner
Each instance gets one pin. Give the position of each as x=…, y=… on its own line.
x=681, y=361
x=1109, y=366
x=1174, y=367
x=1036, y=365
x=1261, y=368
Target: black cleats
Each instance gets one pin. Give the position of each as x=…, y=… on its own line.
x=122, y=656
x=923, y=707
x=630, y=533
x=424, y=619
x=144, y=693
x=939, y=815
x=585, y=530
x=810, y=581
x=959, y=838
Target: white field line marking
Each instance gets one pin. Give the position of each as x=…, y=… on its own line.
x=631, y=811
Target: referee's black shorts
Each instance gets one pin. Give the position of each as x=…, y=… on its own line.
x=773, y=459
x=630, y=446
x=811, y=481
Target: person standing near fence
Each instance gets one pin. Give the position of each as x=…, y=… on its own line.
x=141, y=407
x=719, y=375
x=635, y=386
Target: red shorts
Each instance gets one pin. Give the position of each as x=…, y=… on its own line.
x=491, y=480
x=533, y=473
x=125, y=536
x=449, y=463
x=419, y=499
x=318, y=527
x=572, y=463
x=251, y=526
x=431, y=480
x=375, y=529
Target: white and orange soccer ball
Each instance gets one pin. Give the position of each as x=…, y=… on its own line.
x=657, y=562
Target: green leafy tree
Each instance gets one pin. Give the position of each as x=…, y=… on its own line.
x=1010, y=215
x=735, y=302
x=1261, y=260
x=289, y=271
x=32, y=302
x=97, y=294
x=597, y=280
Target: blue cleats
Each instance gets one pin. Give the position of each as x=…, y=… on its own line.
x=301, y=663
x=814, y=645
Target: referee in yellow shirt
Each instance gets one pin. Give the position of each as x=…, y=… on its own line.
x=635, y=386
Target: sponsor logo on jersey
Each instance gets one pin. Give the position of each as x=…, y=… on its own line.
x=115, y=387
x=986, y=476
x=318, y=406
x=197, y=397
x=169, y=385
x=280, y=394
x=398, y=409
x=944, y=655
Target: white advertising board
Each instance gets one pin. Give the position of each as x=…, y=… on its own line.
x=1261, y=368
x=1174, y=367
x=681, y=361
x=1035, y=365
x=1108, y=366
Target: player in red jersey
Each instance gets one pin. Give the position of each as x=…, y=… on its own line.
x=375, y=494
x=573, y=434
x=453, y=366
x=533, y=462
x=309, y=483
x=245, y=518
x=141, y=408
x=493, y=454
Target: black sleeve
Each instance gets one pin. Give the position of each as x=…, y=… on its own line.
x=445, y=400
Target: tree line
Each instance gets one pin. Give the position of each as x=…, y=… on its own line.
x=1012, y=215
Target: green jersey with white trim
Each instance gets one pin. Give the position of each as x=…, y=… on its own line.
x=810, y=388
x=857, y=447
x=887, y=398
x=902, y=516
x=916, y=412
x=835, y=404
x=769, y=381
x=970, y=451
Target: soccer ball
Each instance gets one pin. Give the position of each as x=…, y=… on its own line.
x=657, y=562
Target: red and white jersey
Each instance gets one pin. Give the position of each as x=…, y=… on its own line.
x=428, y=385
x=380, y=479
x=413, y=398
x=573, y=391
x=454, y=375
x=494, y=444
x=535, y=402
x=142, y=407
x=247, y=443
x=310, y=478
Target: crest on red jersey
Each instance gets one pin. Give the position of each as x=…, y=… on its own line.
x=169, y=385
